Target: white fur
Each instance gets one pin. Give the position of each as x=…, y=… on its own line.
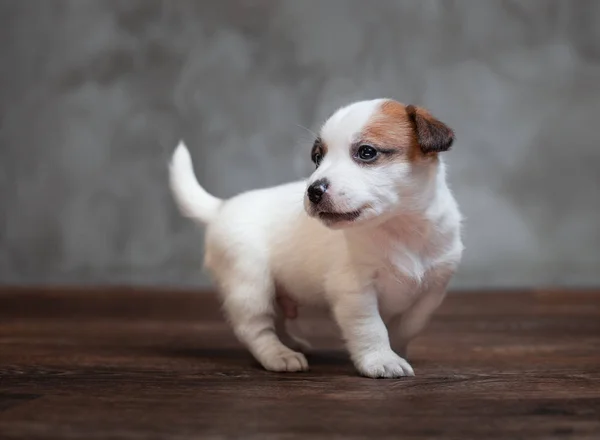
x=382, y=276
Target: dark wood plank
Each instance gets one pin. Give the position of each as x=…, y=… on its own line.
x=128, y=363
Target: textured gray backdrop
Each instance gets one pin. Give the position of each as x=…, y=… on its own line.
x=95, y=94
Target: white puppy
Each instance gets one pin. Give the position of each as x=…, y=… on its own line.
x=374, y=234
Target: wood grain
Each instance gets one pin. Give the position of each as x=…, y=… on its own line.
x=132, y=364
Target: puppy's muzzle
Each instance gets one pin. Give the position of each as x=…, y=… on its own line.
x=317, y=190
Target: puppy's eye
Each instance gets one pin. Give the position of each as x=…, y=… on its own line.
x=317, y=158
x=366, y=153
x=316, y=154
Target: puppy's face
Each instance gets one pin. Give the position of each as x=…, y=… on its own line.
x=373, y=158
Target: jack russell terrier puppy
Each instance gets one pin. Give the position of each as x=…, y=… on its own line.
x=374, y=234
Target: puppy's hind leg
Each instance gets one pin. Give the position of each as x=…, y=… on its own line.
x=249, y=305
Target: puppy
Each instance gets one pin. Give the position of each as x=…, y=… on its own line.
x=373, y=234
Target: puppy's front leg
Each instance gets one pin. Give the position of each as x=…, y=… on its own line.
x=366, y=336
x=404, y=328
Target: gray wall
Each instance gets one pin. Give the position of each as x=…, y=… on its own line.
x=95, y=94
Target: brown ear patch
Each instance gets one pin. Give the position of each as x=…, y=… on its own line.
x=432, y=135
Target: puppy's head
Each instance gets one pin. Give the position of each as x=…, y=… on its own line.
x=373, y=158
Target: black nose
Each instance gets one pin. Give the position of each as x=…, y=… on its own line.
x=316, y=190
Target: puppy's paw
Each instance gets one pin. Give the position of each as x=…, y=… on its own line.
x=284, y=360
x=384, y=364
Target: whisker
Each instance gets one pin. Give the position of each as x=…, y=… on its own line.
x=307, y=129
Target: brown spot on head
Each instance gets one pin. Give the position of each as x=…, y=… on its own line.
x=390, y=127
x=406, y=131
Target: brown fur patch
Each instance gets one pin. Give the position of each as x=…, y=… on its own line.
x=389, y=128
x=409, y=130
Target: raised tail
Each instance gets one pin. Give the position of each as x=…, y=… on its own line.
x=193, y=200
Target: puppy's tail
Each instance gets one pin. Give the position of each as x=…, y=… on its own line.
x=193, y=200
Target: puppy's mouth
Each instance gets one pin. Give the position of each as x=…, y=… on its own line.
x=336, y=217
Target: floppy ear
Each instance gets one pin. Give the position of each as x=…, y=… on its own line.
x=432, y=135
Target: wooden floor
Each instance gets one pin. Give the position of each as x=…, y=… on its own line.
x=133, y=365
